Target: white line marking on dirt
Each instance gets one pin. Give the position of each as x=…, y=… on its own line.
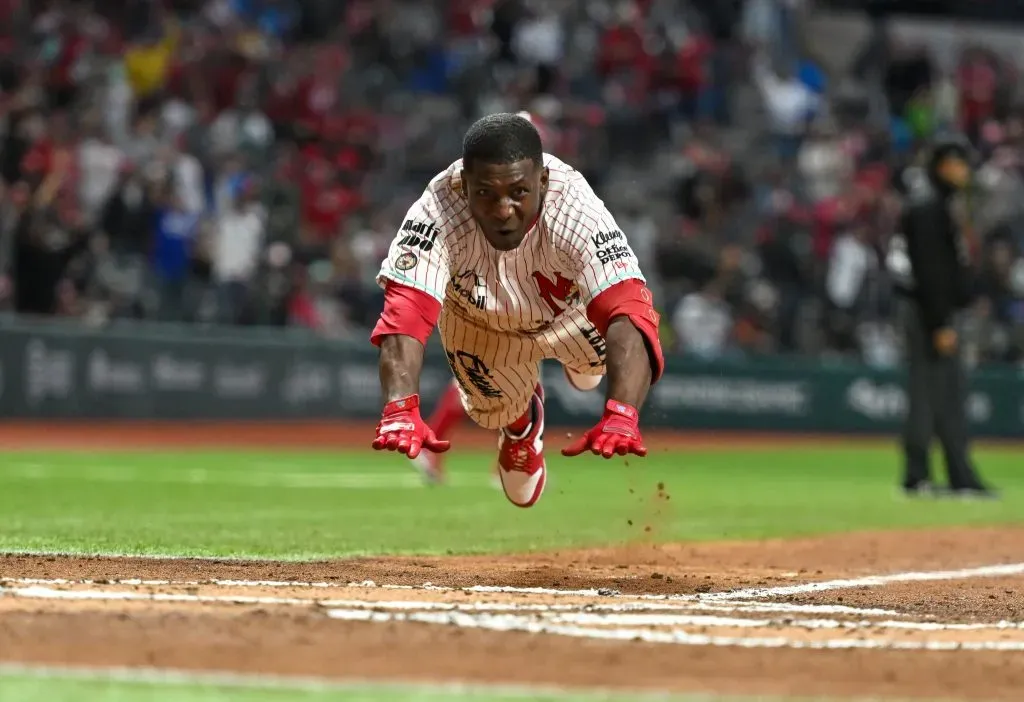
x=608, y=620
x=182, y=583
x=869, y=581
x=506, y=623
x=45, y=593
x=632, y=614
x=650, y=602
x=785, y=607
x=37, y=591
x=730, y=600
x=644, y=619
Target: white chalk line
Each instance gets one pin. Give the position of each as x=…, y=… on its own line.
x=643, y=601
x=645, y=619
x=992, y=571
x=1001, y=570
x=599, y=620
x=509, y=623
x=579, y=624
x=37, y=591
x=253, y=479
x=632, y=614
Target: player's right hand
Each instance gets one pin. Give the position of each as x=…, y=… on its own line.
x=402, y=429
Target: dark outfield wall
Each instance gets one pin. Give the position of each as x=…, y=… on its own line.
x=52, y=372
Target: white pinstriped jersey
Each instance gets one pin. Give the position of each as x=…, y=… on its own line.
x=574, y=252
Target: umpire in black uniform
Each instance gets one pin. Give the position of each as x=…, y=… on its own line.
x=929, y=260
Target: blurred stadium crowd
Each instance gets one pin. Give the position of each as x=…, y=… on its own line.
x=248, y=161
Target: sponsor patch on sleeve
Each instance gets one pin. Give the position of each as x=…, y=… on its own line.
x=406, y=261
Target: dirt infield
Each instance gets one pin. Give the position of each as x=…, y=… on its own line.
x=910, y=614
x=725, y=620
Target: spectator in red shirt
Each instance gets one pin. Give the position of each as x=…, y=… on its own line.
x=692, y=75
x=830, y=216
x=63, y=81
x=978, y=80
x=622, y=46
x=326, y=202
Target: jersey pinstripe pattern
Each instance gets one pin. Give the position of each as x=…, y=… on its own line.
x=505, y=311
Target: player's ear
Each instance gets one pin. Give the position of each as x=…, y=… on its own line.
x=545, y=175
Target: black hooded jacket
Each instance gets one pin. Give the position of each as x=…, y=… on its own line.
x=929, y=257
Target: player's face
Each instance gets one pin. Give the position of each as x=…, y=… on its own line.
x=505, y=199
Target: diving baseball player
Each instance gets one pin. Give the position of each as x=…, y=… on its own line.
x=515, y=259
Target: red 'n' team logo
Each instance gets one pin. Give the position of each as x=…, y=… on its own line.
x=558, y=294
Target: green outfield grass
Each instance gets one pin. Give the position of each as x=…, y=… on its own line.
x=310, y=505
x=73, y=687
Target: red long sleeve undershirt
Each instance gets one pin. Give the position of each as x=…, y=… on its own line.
x=407, y=311
x=412, y=312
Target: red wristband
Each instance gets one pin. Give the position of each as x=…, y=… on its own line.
x=621, y=408
x=402, y=404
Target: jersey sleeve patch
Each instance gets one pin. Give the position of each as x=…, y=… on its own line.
x=418, y=255
x=406, y=261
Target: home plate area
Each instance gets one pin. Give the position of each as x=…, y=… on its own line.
x=746, y=618
x=938, y=632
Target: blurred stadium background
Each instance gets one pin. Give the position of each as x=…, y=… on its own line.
x=196, y=194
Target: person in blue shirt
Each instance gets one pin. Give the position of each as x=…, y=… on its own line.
x=175, y=233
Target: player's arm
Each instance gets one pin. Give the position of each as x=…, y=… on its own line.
x=402, y=331
x=625, y=316
x=620, y=306
x=414, y=276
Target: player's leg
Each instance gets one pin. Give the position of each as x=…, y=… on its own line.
x=582, y=381
x=580, y=348
x=449, y=412
x=498, y=376
x=522, y=470
x=446, y=417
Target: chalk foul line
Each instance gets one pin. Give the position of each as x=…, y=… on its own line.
x=34, y=588
x=759, y=593
x=992, y=571
x=512, y=623
x=612, y=622
x=602, y=614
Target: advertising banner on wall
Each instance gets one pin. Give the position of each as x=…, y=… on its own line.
x=66, y=373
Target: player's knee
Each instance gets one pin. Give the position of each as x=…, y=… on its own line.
x=583, y=382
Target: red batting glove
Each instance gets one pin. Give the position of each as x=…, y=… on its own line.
x=402, y=429
x=618, y=432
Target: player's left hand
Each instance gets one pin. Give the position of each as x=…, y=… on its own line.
x=618, y=432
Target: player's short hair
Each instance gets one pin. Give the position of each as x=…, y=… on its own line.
x=501, y=138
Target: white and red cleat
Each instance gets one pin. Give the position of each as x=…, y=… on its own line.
x=521, y=459
x=448, y=415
